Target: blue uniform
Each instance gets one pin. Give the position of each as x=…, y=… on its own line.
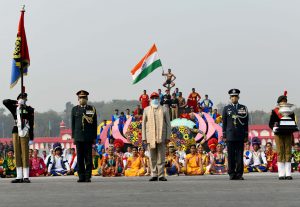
x=122, y=121
x=235, y=122
x=235, y=130
x=206, y=104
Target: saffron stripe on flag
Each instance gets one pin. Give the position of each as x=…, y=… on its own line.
x=146, y=71
x=140, y=64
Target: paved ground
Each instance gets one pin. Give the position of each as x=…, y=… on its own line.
x=257, y=190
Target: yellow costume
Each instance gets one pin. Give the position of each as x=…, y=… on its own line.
x=97, y=171
x=146, y=161
x=205, y=162
x=135, y=167
x=193, y=165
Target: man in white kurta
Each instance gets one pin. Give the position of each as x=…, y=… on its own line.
x=156, y=130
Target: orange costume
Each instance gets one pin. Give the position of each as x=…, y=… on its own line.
x=144, y=99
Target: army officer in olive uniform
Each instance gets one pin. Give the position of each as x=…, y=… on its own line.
x=235, y=133
x=84, y=133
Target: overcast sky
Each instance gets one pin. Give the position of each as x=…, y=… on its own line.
x=212, y=45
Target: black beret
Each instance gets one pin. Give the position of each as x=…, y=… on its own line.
x=22, y=94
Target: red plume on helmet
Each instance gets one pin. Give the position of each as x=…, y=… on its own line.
x=282, y=97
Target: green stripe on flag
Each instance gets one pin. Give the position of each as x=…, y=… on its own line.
x=146, y=71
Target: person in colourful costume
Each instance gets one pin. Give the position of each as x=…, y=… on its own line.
x=172, y=161
x=212, y=145
x=144, y=99
x=220, y=161
x=247, y=156
x=135, y=165
x=206, y=104
x=146, y=161
x=122, y=121
x=37, y=166
x=271, y=156
x=203, y=156
x=118, y=145
x=9, y=165
x=296, y=157
x=193, y=99
x=58, y=165
x=110, y=164
x=193, y=164
x=258, y=160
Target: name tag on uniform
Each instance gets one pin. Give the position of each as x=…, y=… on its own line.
x=229, y=112
x=241, y=111
x=89, y=112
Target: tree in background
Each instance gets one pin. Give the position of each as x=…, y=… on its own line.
x=47, y=124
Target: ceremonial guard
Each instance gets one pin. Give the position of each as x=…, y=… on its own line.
x=84, y=133
x=22, y=133
x=283, y=136
x=235, y=133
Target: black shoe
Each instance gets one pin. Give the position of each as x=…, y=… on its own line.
x=80, y=181
x=281, y=178
x=17, y=181
x=26, y=180
x=232, y=177
x=153, y=179
x=289, y=178
x=88, y=180
x=239, y=178
x=162, y=179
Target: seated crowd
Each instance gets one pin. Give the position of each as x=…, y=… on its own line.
x=112, y=161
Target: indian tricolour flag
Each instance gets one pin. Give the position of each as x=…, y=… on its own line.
x=147, y=64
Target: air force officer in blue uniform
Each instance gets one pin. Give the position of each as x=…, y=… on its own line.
x=235, y=133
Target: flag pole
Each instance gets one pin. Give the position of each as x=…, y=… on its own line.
x=22, y=66
x=22, y=76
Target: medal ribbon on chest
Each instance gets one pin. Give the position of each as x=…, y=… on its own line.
x=89, y=119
